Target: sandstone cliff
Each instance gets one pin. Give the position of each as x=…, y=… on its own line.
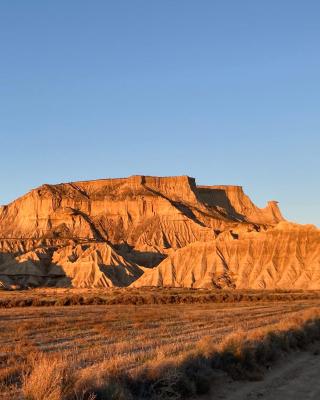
x=280, y=258
x=78, y=265
x=236, y=203
x=108, y=232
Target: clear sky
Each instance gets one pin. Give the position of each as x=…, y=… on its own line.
x=225, y=91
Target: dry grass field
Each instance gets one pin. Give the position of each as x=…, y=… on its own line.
x=72, y=352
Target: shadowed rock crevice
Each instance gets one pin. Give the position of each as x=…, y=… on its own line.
x=31, y=270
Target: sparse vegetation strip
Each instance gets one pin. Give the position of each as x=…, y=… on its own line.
x=146, y=296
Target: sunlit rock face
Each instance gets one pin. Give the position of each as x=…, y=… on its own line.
x=143, y=230
x=278, y=258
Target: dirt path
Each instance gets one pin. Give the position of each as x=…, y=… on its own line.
x=295, y=378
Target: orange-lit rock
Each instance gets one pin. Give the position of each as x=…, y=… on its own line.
x=106, y=232
x=287, y=256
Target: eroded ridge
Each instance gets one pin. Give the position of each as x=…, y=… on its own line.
x=144, y=230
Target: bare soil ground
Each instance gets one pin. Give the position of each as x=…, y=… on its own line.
x=296, y=377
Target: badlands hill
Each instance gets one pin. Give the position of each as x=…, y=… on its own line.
x=145, y=231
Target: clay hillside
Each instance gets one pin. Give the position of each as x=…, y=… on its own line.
x=152, y=231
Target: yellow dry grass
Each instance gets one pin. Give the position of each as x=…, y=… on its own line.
x=99, y=342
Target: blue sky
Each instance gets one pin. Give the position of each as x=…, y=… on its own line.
x=225, y=91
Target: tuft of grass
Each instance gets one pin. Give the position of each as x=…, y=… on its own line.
x=46, y=379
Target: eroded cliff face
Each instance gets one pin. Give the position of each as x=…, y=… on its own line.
x=233, y=201
x=282, y=257
x=78, y=265
x=108, y=232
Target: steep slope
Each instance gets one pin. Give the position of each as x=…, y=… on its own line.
x=287, y=256
x=107, y=232
x=78, y=265
x=235, y=203
x=115, y=210
x=94, y=265
x=27, y=269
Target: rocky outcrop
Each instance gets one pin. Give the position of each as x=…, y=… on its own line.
x=287, y=256
x=115, y=209
x=235, y=203
x=94, y=265
x=77, y=265
x=110, y=232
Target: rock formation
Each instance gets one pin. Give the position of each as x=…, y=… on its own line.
x=146, y=230
x=283, y=257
